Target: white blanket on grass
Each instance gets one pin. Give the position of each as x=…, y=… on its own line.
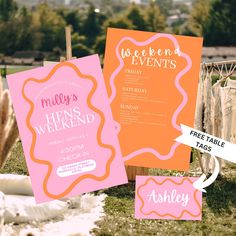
x=77, y=221
x=15, y=184
x=71, y=216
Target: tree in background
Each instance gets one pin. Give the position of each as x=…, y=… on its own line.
x=100, y=44
x=91, y=27
x=79, y=47
x=119, y=22
x=220, y=29
x=155, y=20
x=8, y=9
x=198, y=18
x=136, y=17
x=215, y=20
x=8, y=39
x=26, y=31
x=42, y=28
x=51, y=26
x=183, y=8
x=18, y=32
x=164, y=5
x=72, y=18
x=81, y=50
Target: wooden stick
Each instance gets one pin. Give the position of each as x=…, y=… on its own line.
x=208, y=64
x=68, y=43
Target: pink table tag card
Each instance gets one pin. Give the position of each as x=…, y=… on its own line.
x=164, y=197
x=67, y=129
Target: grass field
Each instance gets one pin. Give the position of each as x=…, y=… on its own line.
x=219, y=205
x=12, y=70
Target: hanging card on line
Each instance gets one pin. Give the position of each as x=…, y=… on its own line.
x=152, y=81
x=67, y=129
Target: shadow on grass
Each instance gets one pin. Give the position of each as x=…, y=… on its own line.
x=123, y=191
x=221, y=195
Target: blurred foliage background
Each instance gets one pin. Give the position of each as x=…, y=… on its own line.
x=39, y=25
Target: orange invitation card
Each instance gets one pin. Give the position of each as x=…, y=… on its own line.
x=152, y=81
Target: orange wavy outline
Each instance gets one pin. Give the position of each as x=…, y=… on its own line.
x=33, y=144
x=168, y=214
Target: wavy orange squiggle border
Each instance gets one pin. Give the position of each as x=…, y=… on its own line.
x=168, y=214
x=34, y=136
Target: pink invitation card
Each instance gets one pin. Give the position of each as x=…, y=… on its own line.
x=167, y=197
x=67, y=129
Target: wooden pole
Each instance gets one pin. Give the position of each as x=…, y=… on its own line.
x=132, y=171
x=68, y=43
